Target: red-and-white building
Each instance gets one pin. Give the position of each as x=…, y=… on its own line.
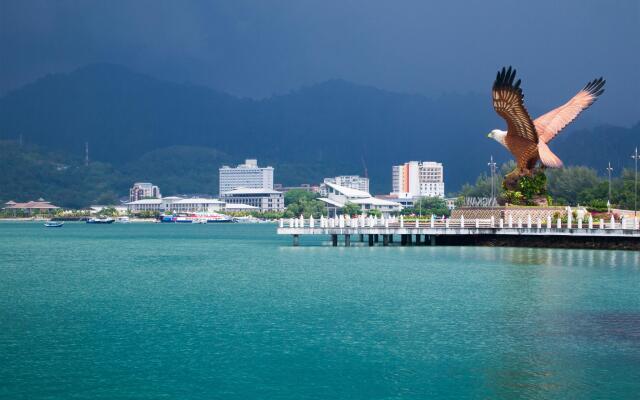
x=31, y=207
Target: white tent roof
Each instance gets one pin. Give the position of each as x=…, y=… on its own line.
x=331, y=202
x=348, y=192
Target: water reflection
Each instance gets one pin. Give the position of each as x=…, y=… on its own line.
x=551, y=257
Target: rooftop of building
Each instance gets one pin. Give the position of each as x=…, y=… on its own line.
x=424, y=163
x=40, y=204
x=248, y=163
x=374, y=201
x=146, y=201
x=348, y=192
x=331, y=202
x=177, y=200
x=196, y=200
x=347, y=177
x=250, y=191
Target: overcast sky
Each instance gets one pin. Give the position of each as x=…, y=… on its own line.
x=259, y=48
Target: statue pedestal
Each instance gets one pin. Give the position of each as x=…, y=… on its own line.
x=503, y=212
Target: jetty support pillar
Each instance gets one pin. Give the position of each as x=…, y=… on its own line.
x=296, y=240
x=347, y=240
x=385, y=240
x=370, y=240
x=334, y=240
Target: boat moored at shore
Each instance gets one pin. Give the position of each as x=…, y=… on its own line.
x=100, y=221
x=196, y=218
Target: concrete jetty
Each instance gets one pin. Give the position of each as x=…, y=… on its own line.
x=528, y=232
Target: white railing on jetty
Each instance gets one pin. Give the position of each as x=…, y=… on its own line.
x=346, y=222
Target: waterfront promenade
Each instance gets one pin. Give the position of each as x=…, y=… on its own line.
x=589, y=233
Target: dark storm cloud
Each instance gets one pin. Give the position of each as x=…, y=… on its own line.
x=257, y=48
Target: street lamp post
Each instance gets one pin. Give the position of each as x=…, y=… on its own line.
x=635, y=198
x=609, y=170
x=492, y=167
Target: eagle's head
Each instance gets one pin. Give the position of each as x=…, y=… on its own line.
x=498, y=136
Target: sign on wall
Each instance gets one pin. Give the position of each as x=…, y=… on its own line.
x=480, y=202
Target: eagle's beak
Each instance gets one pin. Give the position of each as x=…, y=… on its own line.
x=489, y=135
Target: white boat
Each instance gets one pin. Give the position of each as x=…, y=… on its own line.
x=123, y=220
x=247, y=220
x=100, y=221
x=197, y=218
x=216, y=217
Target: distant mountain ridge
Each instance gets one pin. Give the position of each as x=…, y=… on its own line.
x=335, y=127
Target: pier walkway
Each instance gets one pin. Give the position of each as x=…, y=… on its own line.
x=612, y=234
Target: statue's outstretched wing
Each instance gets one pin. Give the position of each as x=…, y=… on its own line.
x=508, y=103
x=549, y=124
x=522, y=138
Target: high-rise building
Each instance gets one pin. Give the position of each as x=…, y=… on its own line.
x=349, y=181
x=144, y=190
x=247, y=175
x=418, y=179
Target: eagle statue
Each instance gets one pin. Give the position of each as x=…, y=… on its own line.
x=525, y=138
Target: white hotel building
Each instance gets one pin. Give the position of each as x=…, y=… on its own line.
x=247, y=175
x=418, y=179
x=250, y=185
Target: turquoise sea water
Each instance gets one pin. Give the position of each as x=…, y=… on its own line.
x=145, y=311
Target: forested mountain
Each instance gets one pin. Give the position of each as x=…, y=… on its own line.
x=177, y=135
x=332, y=126
x=595, y=147
x=29, y=173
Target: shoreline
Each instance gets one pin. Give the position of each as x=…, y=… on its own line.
x=131, y=220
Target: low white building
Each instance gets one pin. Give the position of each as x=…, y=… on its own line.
x=176, y=204
x=264, y=199
x=338, y=196
x=145, y=205
x=196, y=205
